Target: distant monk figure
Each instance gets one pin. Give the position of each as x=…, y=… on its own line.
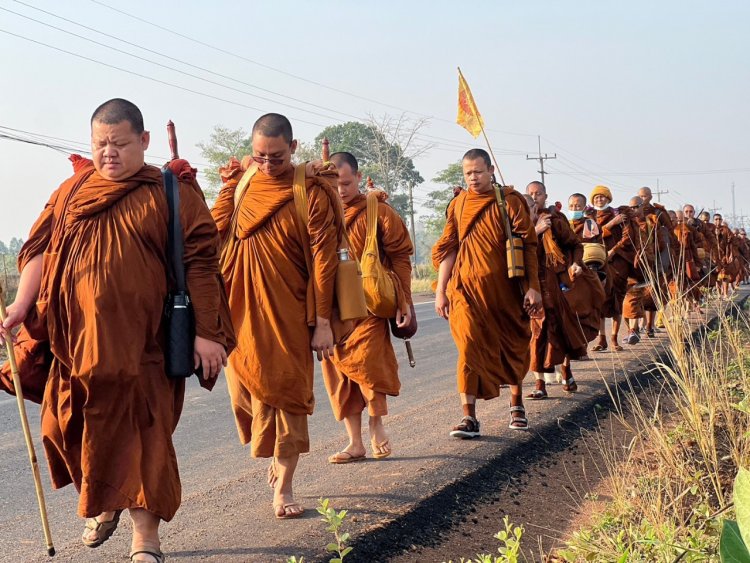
x=281, y=307
x=364, y=369
x=95, y=264
x=488, y=312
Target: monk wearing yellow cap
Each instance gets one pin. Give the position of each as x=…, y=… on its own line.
x=614, y=225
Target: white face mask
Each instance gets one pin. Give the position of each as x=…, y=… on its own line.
x=598, y=208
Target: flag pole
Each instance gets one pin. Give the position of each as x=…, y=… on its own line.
x=481, y=126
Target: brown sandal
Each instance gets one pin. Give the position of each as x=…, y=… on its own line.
x=104, y=530
x=155, y=553
x=285, y=507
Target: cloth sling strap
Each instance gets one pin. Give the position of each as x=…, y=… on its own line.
x=371, y=241
x=175, y=243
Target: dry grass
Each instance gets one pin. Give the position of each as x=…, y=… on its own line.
x=671, y=483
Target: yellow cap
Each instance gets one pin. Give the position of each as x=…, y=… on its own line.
x=601, y=190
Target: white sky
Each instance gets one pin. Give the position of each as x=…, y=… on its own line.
x=624, y=92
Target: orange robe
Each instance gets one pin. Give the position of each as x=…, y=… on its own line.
x=649, y=247
x=365, y=369
x=487, y=320
x=571, y=315
x=270, y=373
x=619, y=263
x=109, y=410
x=728, y=254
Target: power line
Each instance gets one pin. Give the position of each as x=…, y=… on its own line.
x=152, y=79
x=541, y=159
x=289, y=74
x=444, y=141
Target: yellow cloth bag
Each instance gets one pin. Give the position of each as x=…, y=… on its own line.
x=377, y=281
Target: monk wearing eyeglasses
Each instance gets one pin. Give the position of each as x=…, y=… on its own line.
x=270, y=373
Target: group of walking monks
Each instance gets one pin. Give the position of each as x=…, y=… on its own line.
x=261, y=270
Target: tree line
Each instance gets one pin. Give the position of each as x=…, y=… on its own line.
x=385, y=149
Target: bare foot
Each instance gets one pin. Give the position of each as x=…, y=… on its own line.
x=381, y=446
x=284, y=506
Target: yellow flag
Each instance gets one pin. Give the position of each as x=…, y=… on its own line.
x=468, y=114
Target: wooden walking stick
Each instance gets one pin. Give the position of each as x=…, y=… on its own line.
x=26, y=431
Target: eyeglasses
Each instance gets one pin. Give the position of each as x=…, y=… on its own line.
x=635, y=207
x=271, y=161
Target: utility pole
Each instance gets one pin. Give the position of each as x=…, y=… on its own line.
x=659, y=191
x=714, y=209
x=411, y=213
x=541, y=158
x=734, y=209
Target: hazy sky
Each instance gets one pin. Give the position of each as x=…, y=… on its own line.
x=624, y=92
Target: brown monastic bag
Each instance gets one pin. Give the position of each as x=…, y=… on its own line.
x=380, y=291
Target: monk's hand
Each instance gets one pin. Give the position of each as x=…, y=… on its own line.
x=15, y=314
x=403, y=318
x=574, y=271
x=322, y=339
x=209, y=354
x=532, y=302
x=543, y=224
x=442, y=305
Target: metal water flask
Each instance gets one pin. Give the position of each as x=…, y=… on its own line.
x=349, y=291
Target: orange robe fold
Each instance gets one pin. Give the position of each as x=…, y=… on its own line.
x=109, y=411
x=620, y=261
x=487, y=320
x=365, y=364
x=267, y=281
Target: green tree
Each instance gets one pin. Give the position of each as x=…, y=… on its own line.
x=385, y=150
x=223, y=144
x=14, y=247
x=438, y=200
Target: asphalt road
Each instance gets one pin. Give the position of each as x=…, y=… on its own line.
x=226, y=513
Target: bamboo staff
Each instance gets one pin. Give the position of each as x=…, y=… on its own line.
x=26, y=431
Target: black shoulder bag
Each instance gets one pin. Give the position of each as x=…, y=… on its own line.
x=179, y=321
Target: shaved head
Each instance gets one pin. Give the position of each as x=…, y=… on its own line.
x=645, y=194
x=536, y=186
x=475, y=154
x=274, y=125
x=118, y=110
x=580, y=197
x=529, y=200
x=341, y=158
x=636, y=201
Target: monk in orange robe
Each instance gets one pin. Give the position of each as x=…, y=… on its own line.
x=561, y=335
x=686, y=282
x=96, y=266
x=712, y=247
x=727, y=259
x=744, y=246
x=488, y=312
x=614, y=226
x=364, y=369
x=648, y=286
x=281, y=308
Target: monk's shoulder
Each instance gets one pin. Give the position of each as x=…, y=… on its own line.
x=515, y=200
